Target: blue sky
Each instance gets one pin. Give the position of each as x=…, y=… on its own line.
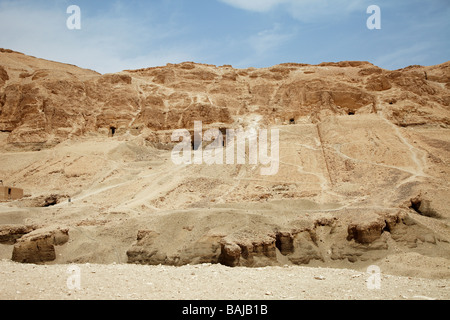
x=118, y=35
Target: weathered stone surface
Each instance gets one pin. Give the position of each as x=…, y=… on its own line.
x=9, y=234
x=230, y=254
x=285, y=242
x=305, y=248
x=3, y=76
x=146, y=250
x=367, y=231
x=44, y=103
x=39, y=245
x=424, y=206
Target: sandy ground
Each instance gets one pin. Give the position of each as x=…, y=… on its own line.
x=208, y=282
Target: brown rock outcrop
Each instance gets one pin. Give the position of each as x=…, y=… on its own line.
x=9, y=234
x=43, y=103
x=237, y=250
x=39, y=245
x=3, y=76
x=368, y=230
x=230, y=254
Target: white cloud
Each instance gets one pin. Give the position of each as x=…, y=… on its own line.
x=254, y=5
x=396, y=59
x=264, y=45
x=303, y=10
x=269, y=39
x=320, y=10
x=107, y=43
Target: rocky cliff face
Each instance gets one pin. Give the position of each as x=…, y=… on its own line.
x=363, y=170
x=44, y=103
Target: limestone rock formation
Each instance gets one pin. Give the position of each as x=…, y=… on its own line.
x=369, y=229
x=43, y=103
x=363, y=166
x=39, y=246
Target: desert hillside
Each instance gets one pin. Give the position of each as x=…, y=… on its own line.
x=363, y=166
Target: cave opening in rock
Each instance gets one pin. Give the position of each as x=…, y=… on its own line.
x=351, y=113
x=415, y=205
x=50, y=202
x=284, y=243
x=112, y=131
x=386, y=228
x=292, y=121
x=424, y=208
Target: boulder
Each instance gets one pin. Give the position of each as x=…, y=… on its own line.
x=251, y=251
x=39, y=246
x=367, y=229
